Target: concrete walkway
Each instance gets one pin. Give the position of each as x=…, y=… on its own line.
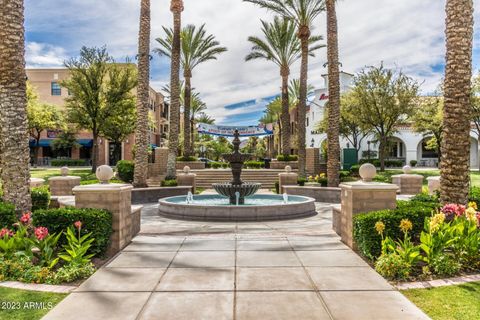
x=179, y=270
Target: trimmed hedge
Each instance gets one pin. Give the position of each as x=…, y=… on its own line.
x=187, y=159
x=169, y=183
x=254, y=164
x=354, y=169
x=96, y=221
x=388, y=163
x=218, y=165
x=369, y=241
x=68, y=162
x=40, y=198
x=474, y=194
x=281, y=157
x=125, y=170
x=7, y=215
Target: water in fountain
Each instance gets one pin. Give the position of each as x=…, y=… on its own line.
x=230, y=189
x=285, y=198
x=189, y=197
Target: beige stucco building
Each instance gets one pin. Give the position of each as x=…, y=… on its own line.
x=47, y=84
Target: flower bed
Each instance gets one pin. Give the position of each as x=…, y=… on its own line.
x=447, y=244
x=32, y=253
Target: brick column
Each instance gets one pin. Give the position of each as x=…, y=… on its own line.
x=187, y=179
x=312, y=165
x=159, y=168
x=287, y=178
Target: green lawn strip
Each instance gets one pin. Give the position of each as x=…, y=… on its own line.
x=84, y=174
x=24, y=304
x=460, y=302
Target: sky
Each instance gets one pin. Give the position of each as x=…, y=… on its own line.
x=406, y=35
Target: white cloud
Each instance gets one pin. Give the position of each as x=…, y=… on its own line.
x=44, y=55
x=407, y=34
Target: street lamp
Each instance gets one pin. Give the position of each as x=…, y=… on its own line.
x=202, y=150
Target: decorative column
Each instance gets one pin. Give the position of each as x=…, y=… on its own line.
x=407, y=182
x=116, y=198
x=186, y=178
x=64, y=184
x=312, y=165
x=362, y=197
x=36, y=182
x=433, y=184
x=287, y=178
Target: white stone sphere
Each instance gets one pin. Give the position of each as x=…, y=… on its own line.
x=186, y=169
x=104, y=173
x=64, y=171
x=407, y=169
x=367, y=172
x=288, y=169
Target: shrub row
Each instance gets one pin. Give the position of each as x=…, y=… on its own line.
x=254, y=164
x=7, y=215
x=281, y=157
x=369, y=241
x=68, y=162
x=125, y=170
x=169, y=183
x=96, y=221
x=218, y=165
x=187, y=159
x=40, y=198
x=388, y=163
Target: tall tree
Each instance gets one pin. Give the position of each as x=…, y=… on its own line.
x=141, y=132
x=197, y=48
x=333, y=144
x=92, y=81
x=303, y=14
x=41, y=116
x=176, y=7
x=14, y=149
x=282, y=47
x=455, y=165
x=385, y=99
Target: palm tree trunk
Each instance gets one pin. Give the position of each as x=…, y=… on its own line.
x=176, y=7
x=333, y=165
x=285, y=116
x=455, y=165
x=14, y=137
x=302, y=105
x=187, y=144
x=141, y=131
x=94, y=156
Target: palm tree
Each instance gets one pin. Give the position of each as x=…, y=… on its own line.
x=455, y=146
x=14, y=149
x=141, y=131
x=303, y=14
x=282, y=47
x=197, y=47
x=197, y=109
x=176, y=7
x=333, y=132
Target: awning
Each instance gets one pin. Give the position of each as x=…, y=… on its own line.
x=88, y=143
x=153, y=146
x=41, y=143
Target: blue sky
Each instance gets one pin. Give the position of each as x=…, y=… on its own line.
x=407, y=34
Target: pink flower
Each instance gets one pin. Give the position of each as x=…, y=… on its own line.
x=6, y=232
x=478, y=218
x=78, y=224
x=26, y=218
x=41, y=233
x=452, y=210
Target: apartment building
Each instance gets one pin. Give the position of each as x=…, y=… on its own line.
x=47, y=83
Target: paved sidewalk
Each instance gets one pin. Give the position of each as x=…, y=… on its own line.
x=295, y=269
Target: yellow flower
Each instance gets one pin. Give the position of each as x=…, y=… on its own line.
x=473, y=204
x=471, y=214
x=380, y=227
x=322, y=175
x=406, y=225
x=436, y=221
x=310, y=178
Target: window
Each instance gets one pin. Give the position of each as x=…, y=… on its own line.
x=56, y=89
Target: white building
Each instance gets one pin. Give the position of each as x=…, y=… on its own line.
x=405, y=145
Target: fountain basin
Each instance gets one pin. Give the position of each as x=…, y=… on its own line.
x=218, y=208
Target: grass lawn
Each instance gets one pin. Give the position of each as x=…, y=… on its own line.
x=23, y=304
x=85, y=174
x=460, y=302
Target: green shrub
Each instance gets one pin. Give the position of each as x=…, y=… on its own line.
x=392, y=267
x=445, y=265
x=68, y=162
x=474, y=195
x=40, y=198
x=369, y=241
x=354, y=169
x=413, y=163
x=277, y=187
x=125, y=170
x=71, y=272
x=301, y=181
x=288, y=158
x=254, y=164
x=216, y=165
x=344, y=173
x=7, y=215
x=388, y=163
x=187, y=159
x=425, y=197
x=96, y=221
x=225, y=165
x=169, y=183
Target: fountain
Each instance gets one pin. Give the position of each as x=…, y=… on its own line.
x=236, y=200
x=230, y=189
